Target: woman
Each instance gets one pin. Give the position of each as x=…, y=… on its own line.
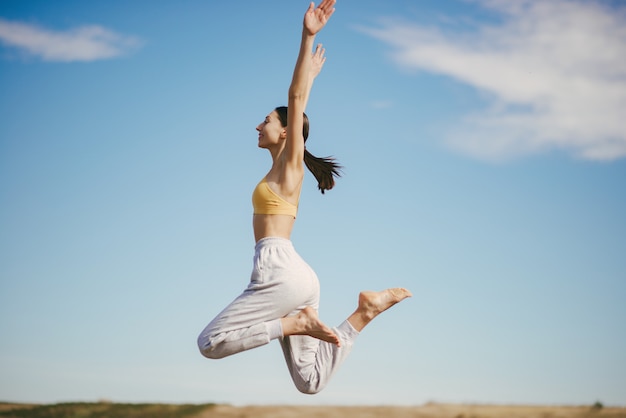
x=282, y=298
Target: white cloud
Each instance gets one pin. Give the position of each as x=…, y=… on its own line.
x=554, y=73
x=86, y=43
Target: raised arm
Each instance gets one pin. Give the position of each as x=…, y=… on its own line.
x=317, y=62
x=314, y=20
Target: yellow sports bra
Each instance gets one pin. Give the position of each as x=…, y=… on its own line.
x=267, y=202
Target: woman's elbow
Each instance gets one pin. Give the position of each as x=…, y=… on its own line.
x=296, y=95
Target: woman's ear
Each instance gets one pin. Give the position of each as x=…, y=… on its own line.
x=283, y=134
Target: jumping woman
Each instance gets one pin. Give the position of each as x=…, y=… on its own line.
x=282, y=298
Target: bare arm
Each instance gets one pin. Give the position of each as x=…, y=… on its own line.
x=317, y=62
x=304, y=73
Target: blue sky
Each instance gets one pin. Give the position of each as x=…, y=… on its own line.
x=484, y=151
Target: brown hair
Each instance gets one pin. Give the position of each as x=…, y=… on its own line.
x=325, y=169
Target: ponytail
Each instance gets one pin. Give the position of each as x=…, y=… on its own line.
x=324, y=169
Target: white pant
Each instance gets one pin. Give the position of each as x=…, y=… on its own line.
x=282, y=284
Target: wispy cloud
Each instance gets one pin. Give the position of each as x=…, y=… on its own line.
x=85, y=43
x=554, y=73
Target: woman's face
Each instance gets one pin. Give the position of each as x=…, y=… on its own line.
x=271, y=131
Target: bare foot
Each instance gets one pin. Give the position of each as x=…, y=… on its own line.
x=307, y=322
x=377, y=302
x=371, y=304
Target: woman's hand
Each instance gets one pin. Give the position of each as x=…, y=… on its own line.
x=316, y=17
x=317, y=61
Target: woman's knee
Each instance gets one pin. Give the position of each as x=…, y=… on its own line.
x=310, y=387
x=210, y=348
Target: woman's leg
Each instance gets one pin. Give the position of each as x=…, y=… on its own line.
x=281, y=284
x=311, y=361
x=372, y=304
x=242, y=325
x=281, y=301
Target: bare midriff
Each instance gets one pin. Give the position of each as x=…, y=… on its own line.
x=272, y=226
